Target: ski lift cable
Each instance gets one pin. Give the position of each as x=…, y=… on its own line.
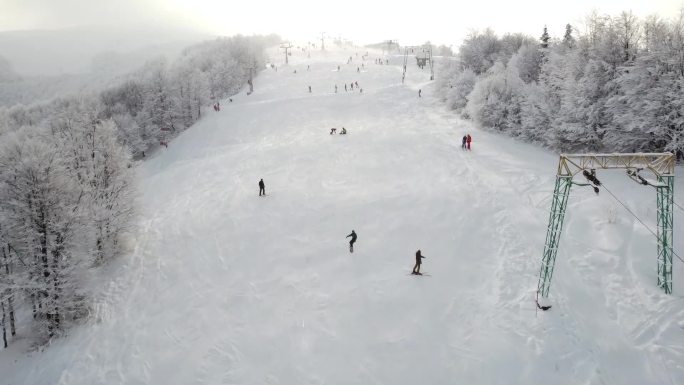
x=677, y=204
x=639, y=219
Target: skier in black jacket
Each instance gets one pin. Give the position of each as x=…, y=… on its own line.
x=416, y=268
x=351, y=243
x=262, y=187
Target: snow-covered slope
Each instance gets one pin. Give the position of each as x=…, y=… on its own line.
x=225, y=287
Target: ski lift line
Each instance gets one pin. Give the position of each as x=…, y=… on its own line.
x=677, y=204
x=639, y=219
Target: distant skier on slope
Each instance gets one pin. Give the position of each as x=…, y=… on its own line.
x=345, y=87
x=416, y=267
x=262, y=187
x=465, y=140
x=468, y=140
x=353, y=239
x=335, y=88
x=309, y=89
x=419, y=92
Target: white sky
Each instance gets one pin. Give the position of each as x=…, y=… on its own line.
x=363, y=21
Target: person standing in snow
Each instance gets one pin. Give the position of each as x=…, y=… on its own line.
x=419, y=92
x=335, y=88
x=262, y=187
x=416, y=267
x=309, y=89
x=463, y=144
x=345, y=87
x=468, y=140
x=351, y=243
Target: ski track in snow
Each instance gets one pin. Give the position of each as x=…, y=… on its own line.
x=224, y=287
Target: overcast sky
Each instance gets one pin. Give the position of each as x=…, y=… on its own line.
x=363, y=21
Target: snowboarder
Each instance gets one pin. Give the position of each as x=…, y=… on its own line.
x=351, y=243
x=344, y=131
x=416, y=267
x=262, y=187
x=419, y=92
x=468, y=140
x=463, y=144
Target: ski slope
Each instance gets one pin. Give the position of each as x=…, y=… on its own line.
x=222, y=286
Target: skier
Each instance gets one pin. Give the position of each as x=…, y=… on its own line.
x=356, y=84
x=419, y=92
x=307, y=67
x=351, y=243
x=468, y=140
x=358, y=69
x=463, y=144
x=345, y=87
x=352, y=86
x=335, y=88
x=309, y=89
x=262, y=187
x=338, y=68
x=416, y=267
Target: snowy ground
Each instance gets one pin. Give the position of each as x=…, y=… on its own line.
x=225, y=287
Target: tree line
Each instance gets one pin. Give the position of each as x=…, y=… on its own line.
x=617, y=87
x=67, y=187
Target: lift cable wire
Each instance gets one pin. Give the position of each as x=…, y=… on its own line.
x=639, y=219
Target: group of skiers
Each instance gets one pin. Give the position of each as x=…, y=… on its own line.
x=333, y=131
x=465, y=144
x=419, y=256
x=351, y=86
x=353, y=236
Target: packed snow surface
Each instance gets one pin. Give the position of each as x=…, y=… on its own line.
x=222, y=286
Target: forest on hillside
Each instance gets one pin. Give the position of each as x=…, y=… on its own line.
x=616, y=87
